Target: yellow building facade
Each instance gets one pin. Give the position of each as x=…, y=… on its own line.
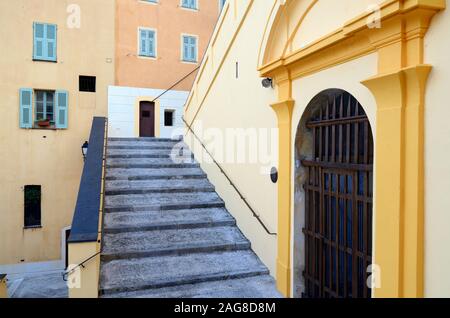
x=389, y=59
x=54, y=46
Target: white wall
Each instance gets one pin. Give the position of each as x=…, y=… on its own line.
x=121, y=109
x=437, y=159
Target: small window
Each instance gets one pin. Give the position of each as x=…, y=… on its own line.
x=87, y=84
x=147, y=43
x=168, y=118
x=32, y=211
x=43, y=109
x=44, y=36
x=190, y=4
x=45, y=106
x=189, y=48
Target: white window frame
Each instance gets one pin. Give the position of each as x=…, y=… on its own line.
x=155, y=2
x=197, y=7
x=138, y=47
x=182, y=48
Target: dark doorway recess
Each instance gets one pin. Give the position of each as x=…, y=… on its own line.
x=147, y=119
x=338, y=192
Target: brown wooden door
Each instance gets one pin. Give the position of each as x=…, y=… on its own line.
x=338, y=220
x=147, y=119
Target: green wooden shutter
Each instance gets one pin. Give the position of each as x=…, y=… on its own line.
x=26, y=108
x=61, y=109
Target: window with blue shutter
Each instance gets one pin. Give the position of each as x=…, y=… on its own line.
x=147, y=43
x=190, y=4
x=26, y=109
x=189, y=48
x=61, y=109
x=44, y=36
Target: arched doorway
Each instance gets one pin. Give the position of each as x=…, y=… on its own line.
x=333, y=198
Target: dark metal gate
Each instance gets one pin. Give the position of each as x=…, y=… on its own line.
x=338, y=214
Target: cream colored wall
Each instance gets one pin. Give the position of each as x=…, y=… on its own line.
x=51, y=158
x=299, y=33
x=437, y=159
x=332, y=15
x=223, y=102
x=347, y=77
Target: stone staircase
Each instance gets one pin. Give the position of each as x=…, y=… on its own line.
x=166, y=232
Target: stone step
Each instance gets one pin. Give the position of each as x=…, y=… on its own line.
x=136, y=153
x=149, y=165
x=166, y=220
x=142, y=147
x=262, y=286
x=173, y=270
x=162, y=201
x=172, y=242
x=158, y=186
x=154, y=174
x=143, y=139
x=150, y=144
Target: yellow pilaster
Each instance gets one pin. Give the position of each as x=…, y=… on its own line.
x=399, y=175
x=283, y=110
x=83, y=282
x=3, y=287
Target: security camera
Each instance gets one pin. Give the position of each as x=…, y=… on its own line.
x=267, y=83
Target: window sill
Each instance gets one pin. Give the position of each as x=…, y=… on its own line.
x=48, y=61
x=189, y=62
x=189, y=9
x=45, y=128
x=35, y=227
x=147, y=57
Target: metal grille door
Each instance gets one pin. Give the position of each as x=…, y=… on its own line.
x=338, y=213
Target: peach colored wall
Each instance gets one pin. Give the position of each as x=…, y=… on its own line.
x=170, y=21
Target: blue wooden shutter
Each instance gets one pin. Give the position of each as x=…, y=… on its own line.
x=61, y=109
x=50, y=33
x=143, y=42
x=39, y=41
x=185, y=48
x=26, y=108
x=193, y=49
x=151, y=43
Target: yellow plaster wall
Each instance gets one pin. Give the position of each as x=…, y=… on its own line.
x=83, y=281
x=47, y=157
x=221, y=101
x=437, y=159
x=396, y=78
x=332, y=15
x=3, y=288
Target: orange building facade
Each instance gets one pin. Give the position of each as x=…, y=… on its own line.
x=170, y=21
x=158, y=43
